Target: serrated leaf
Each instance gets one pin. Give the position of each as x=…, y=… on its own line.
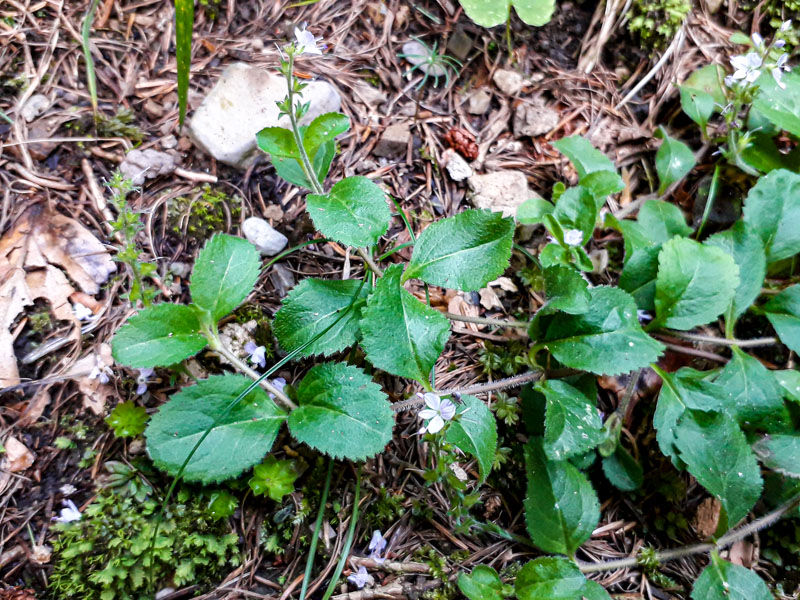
x=722, y=580
x=464, y=252
x=475, y=433
x=274, y=478
x=584, y=157
x=606, y=339
x=399, y=333
x=353, y=213
x=555, y=578
x=780, y=104
x=638, y=277
x=278, y=142
x=561, y=508
x=224, y=274
x=754, y=396
x=697, y=104
x=747, y=250
x=772, y=209
x=661, y=221
x=577, y=209
x=239, y=441
x=566, y=290
x=783, y=311
x=572, y=424
x=695, y=284
x=780, y=453
x=311, y=307
x=716, y=452
x=674, y=160
x=482, y=584
x=127, y=419
x=622, y=470
x=159, y=336
x=342, y=412
x=324, y=129
x=533, y=210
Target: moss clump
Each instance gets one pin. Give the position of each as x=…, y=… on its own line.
x=200, y=216
x=655, y=22
x=120, y=125
x=107, y=554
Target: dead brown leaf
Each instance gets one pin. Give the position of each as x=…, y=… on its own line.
x=743, y=553
x=95, y=392
x=17, y=457
x=706, y=518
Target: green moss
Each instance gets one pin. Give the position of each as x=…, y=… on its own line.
x=655, y=22
x=202, y=216
x=119, y=125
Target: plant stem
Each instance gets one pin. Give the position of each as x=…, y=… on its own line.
x=723, y=542
x=348, y=543
x=370, y=263
x=710, y=339
x=217, y=346
x=317, y=524
x=486, y=321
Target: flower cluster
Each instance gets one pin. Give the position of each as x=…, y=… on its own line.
x=377, y=545
x=747, y=68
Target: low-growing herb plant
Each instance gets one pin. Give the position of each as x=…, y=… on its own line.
x=723, y=426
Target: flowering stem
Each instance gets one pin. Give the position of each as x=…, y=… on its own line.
x=315, y=534
x=348, y=543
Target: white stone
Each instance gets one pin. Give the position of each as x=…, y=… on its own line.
x=417, y=54
x=146, y=164
x=534, y=119
x=263, y=236
x=36, y=105
x=478, y=101
x=501, y=191
x=509, y=82
x=456, y=166
x=242, y=103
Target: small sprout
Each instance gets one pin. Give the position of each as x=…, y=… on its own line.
x=274, y=478
x=127, y=420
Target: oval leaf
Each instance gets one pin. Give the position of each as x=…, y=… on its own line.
x=772, y=209
x=555, y=578
x=475, y=433
x=722, y=580
x=482, y=584
x=780, y=453
x=572, y=424
x=783, y=311
x=674, y=160
x=324, y=129
x=584, y=157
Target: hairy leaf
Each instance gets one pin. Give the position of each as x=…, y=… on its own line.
x=475, y=433
x=532, y=211
x=159, y=336
x=561, y=508
x=622, y=470
x=342, y=412
x=237, y=442
x=322, y=130
x=783, y=311
x=224, y=274
x=695, y=283
x=464, y=252
x=722, y=580
x=772, y=209
x=311, y=307
x=754, y=396
x=661, y=221
x=638, y=277
x=278, y=142
x=602, y=183
x=584, y=157
x=789, y=380
x=572, y=424
x=353, y=213
x=674, y=160
x=566, y=290
x=606, y=339
x=400, y=334
x=555, y=578
x=780, y=453
x=482, y=584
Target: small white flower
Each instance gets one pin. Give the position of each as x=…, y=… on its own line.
x=786, y=25
x=361, y=578
x=376, y=546
x=67, y=489
x=82, y=313
x=643, y=316
x=142, y=379
x=746, y=66
x=68, y=514
x=778, y=70
x=306, y=42
x=257, y=354
x=758, y=41
x=101, y=371
x=573, y=237
x=438, y=412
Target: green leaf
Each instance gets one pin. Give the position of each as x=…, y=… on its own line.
x=224, y=274
x=278, y=142
x=697, y=104
x=716, y=452
x=475, y=433
x=127, y=419
x=572, y=424
x=311, y=307
x=638, y=277
x=661, y=221
x=783, y=311
x=184, y=22
x=576, y=209
x=488, y=13
x=324, y=129
x=747, y=250
x=674, y=160
x=222, y=504
x=585, y=158
x=623, y=471
x=534, y=12
x=399, y=333
x=464, y=252
x=764, y=155
x=602, y=183
x=482, y=584
x=159, y=336
x=291, y=169
x=780, y=105
x=606, y=339
x=353, y=213
x=722, y=580
x=754, y=396
x=561, y=508
x=342, y=412
x=772, y=209
x=789, y=380
x=555, y=578
x=274, y=478
x=709, y=79
x=780, y=453
x=533, y=210
x=566, y=290
x=695, y=284
x=236, y=443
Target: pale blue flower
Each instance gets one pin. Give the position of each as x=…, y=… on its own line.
x=68, y=514
x=143, y=378
x=437, y=413
x=257, y=354
x=360, y=578
x=306, y=42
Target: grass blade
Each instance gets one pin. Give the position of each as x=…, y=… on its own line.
x=184, y=22
x=91, y=81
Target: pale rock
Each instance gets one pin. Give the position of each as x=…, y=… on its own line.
x=146, y=164
x=180, y=269
x=418, y=55
x=478, y=101
x=242, y=103
x=394, y=140
x=169, y=142
x=534, y=119
x=456, y=166
x=36, y=105
x=263, y=236
x=501, y=191
x=508, y=81
x=235, y=336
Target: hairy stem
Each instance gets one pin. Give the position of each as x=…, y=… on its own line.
x=305, y=163
x=486, y=321
x=370, y=263
x=710, y=339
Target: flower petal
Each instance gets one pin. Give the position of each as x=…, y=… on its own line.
x=447, y=410
x=427, y=413
x=436, y=424
x=432, y=400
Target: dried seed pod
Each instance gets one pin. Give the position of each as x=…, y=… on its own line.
x=462, y=142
